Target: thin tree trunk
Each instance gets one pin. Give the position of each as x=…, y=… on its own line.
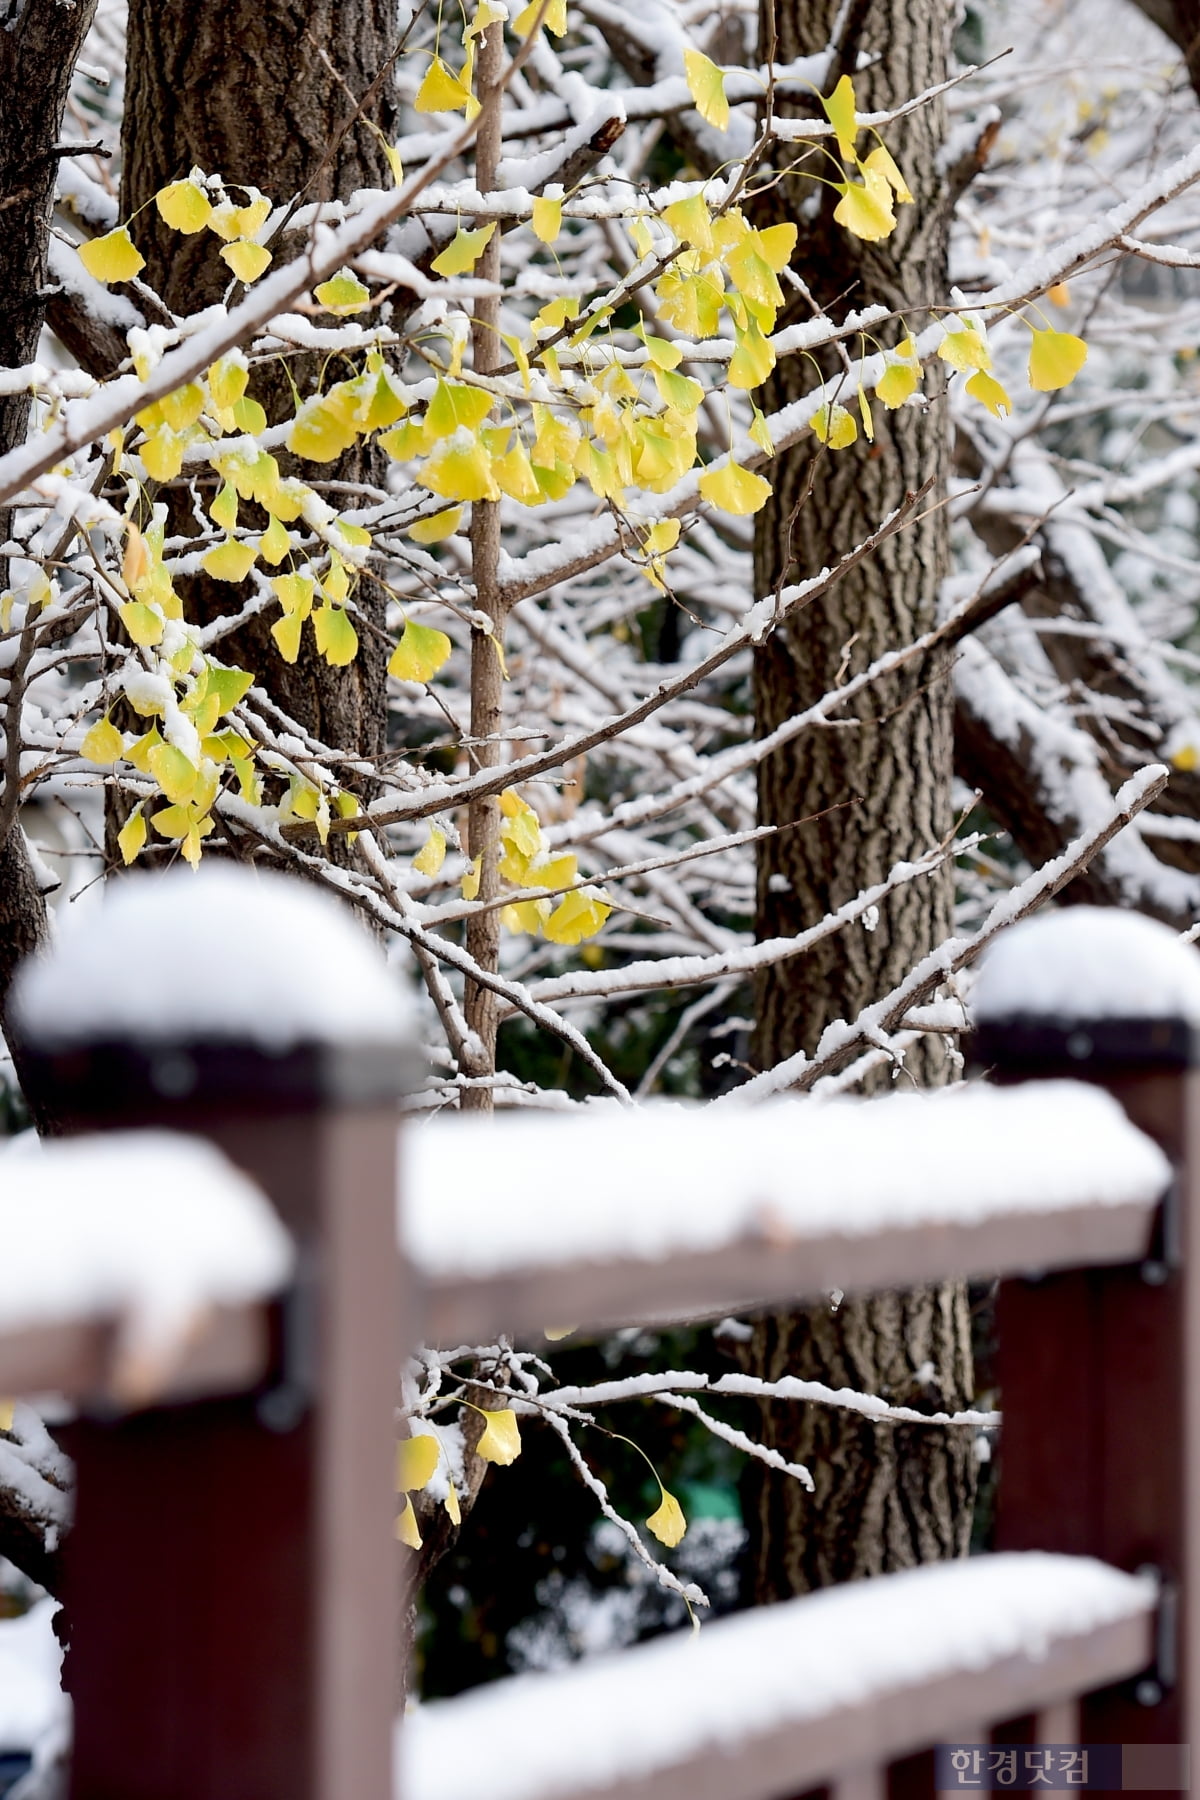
x=885, y=1498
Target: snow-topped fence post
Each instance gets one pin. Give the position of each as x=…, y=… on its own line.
x=1099, y=1369
x=228, y=1580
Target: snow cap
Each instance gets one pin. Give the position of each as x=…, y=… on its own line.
x=1089, y=962
x=228, y=952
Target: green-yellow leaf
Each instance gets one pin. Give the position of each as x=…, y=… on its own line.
x=834, y=426
x=184, y=406
x=224, y=509
x=416, y=1462
x=691, y=221
x=143, y=624
x=760, y=434
x=337, y=639
x=840, y=108
x=274, y=543
x=432, y=854
x=174, y=773
x=438, y=526
x=865, y=208
x=554, y=18
x=286, y=632
x=898, y=381
x=752, y=360
x=965, y=348
x=989, y=392
x=114, y=257
x=734, y=489
x=420, y=653
x=229, y=561
x=184, y=206
x=247, y=260
x=1055, y=359
x=668, y=1523
x=463, y=251
x=578, y=915
x=706, y=85
x=249, y=415
x=547, y=219
x=103, y=743
x=501, y=1440
x=406, y=1527
x=343, y=293
x=132, y=834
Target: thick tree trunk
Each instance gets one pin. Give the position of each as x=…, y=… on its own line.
x=240, y=88
x=885, y=1499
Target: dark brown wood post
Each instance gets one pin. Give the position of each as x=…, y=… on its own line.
x=1099, y=1369
x=229, y=1590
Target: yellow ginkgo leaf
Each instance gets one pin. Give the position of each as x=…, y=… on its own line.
x=760, y=434
x=691, y=221
x=417, y=1459
x=114, y=257
x=175, y=774
x=547, y=218
x=554, y=18
x=227, y=380
x=432, y=854
x=438, y=526
x=668, y=1523
x=578, y=915
x=986, y=389
x=706, y=85
x=406, y=1527
x=274, y=543
x=752, y=360
x=840, y=108
x=501, y=1440
x=881, y=162
x=898, y=381
x=229, y=561
x=1059, y=294
x=420, y=653
x=318, y=434
x=965, y=348
x=224, y=509
x=184, y=206
x=470, y=881
x=132, y=835
x=834, y=425
x=864, y=413
x=295, y=593
x=230, y=221
x=865, y=208
x=734, y=489
x=247, y=260
x=103, y=743
x=343, y=293
x=1055, y=359
x=451, y=1503
x=463, y=251
x=6, y=1415
x=337, y=639
x=662, y=537
x=183, y=407
x=142, y=622
x=287, y=632
x=441, y=90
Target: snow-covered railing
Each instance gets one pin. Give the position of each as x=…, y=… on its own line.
x=254, y=1529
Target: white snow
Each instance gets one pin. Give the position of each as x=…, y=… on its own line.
x=1089, y=962
x=673, y=1700
x=150, y=1228
x=227, y=952
x=34, y=1712
x=527, y=1191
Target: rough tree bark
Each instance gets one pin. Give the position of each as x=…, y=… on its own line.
x=885, y=1498
x=264, y=93
x=39, y=42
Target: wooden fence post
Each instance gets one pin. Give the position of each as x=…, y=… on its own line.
x=1099, y=1369
x=230, y=1578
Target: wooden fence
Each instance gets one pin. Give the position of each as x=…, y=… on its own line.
x=232, y=1576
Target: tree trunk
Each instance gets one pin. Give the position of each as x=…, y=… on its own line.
x=885, y=1498
x=239, y=88
x=39, y=42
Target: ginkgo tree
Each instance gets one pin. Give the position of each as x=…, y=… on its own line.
x=549, y=351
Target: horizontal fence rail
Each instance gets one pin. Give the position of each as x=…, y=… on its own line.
x=685, y=1212
x=768, y=1702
